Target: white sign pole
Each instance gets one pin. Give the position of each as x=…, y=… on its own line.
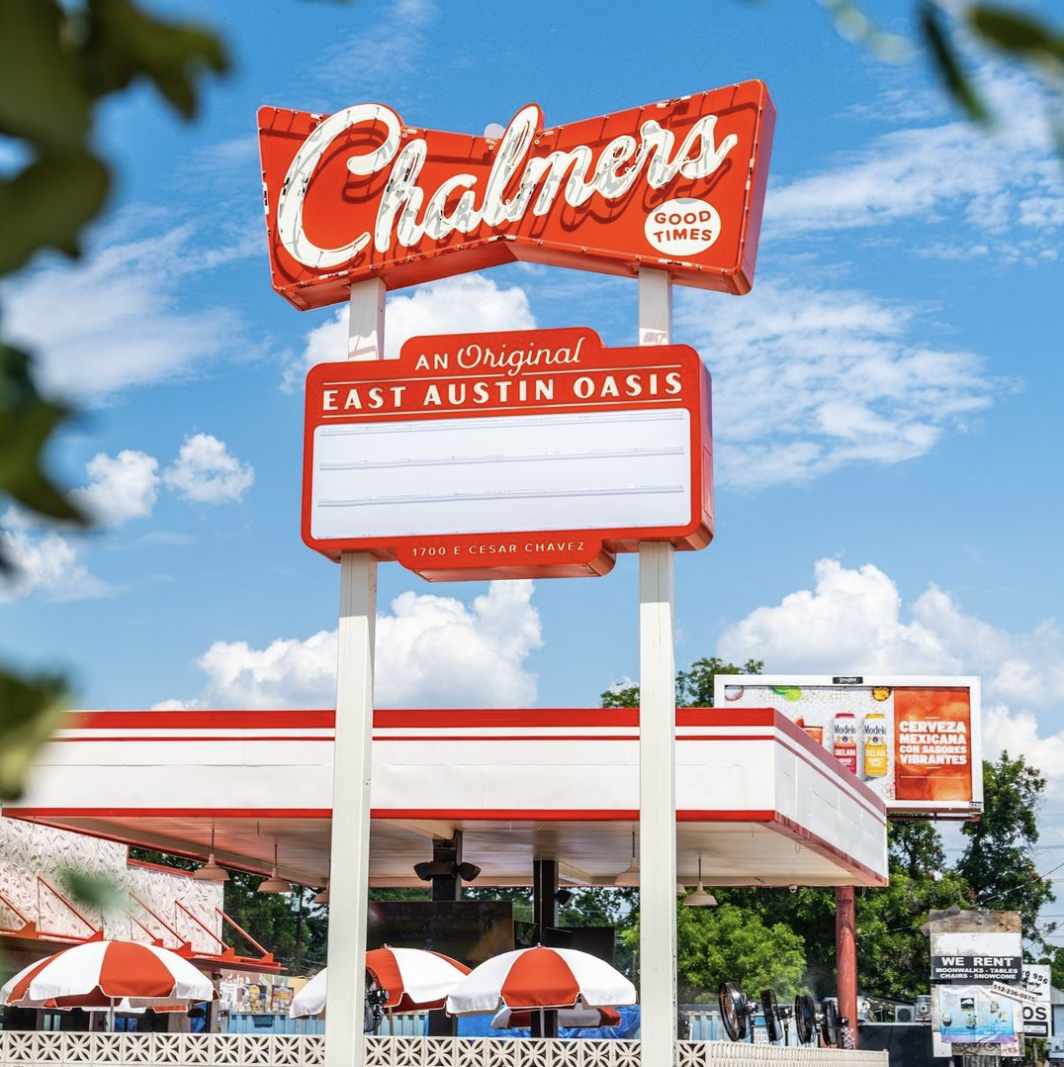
x=352, y=753
x=657, y=757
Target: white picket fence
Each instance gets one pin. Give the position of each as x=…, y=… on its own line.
x=49, y=1049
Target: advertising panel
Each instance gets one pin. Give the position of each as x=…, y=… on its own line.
x=978, y=956
x=676, y=185
x=516, y=454
x=1038, y=1012
x=976, y=1014
x=914, y=741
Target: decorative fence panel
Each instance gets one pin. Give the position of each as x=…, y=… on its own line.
x=43, y=1049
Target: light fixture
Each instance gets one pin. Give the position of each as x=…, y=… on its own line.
x=681, y=889
x=210, y=871
x=468, y=871
x=700, y=898
x=430, y=869
x=563, y=896
x=273, y=884
x=630, y=875
x=323, y=896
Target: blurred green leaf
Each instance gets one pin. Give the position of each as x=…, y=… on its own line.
x=99, y=892
x=26, y=420
x=42, y=98
x=125, y=43
x=1015, y=33
x=30, y=709
x=57, y=59
x=949, y=67
x=854, y=25
x=47, y=203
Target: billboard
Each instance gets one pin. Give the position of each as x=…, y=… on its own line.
x=676, y=185
x=974, y=1014
x=1038, y=1011
x=915, y=741
x=514, y=454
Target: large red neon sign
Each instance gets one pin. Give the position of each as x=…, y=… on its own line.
x=677, y=186
x=531, y=453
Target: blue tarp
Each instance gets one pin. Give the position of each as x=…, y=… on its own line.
x=480, y=1026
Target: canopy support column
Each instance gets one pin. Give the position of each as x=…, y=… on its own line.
x=846, y=954
x=545, y=916
x=657, y=756
x=345, y=1042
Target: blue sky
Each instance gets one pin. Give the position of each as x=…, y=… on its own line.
x=888, y=436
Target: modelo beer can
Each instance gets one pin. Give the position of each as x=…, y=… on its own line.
x=875, y=744
x=845, y=738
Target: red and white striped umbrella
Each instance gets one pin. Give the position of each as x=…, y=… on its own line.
x=310, y=1000
x=416, y=980
x=98, y=973
x=540, y=978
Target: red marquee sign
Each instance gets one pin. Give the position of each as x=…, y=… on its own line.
x=524, y=454
x=676, y=186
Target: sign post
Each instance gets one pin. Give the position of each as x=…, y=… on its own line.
x=657, y=749
x=345, y=1042
x=506, y=456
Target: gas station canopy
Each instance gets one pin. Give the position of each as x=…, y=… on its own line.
x=758, y=801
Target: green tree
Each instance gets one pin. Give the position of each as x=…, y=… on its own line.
x=729, y=943
x=286, y=924
x=998, y=863
x=893, y=955
x=601, y=907
x=694, y=686
x=809, y=912
x=916, y=848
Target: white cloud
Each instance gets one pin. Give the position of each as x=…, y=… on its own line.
x=43, y=562
x=1004, y=185
x=432, y=651
x=176, y=705
x=121, y=488
x=806, y=381
x=854, y=621
x=849, y=623
x=113, y=320
x=286, y=673
x=379, y=54
x=468, y=303
x=439, y=652
x=206, y=472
